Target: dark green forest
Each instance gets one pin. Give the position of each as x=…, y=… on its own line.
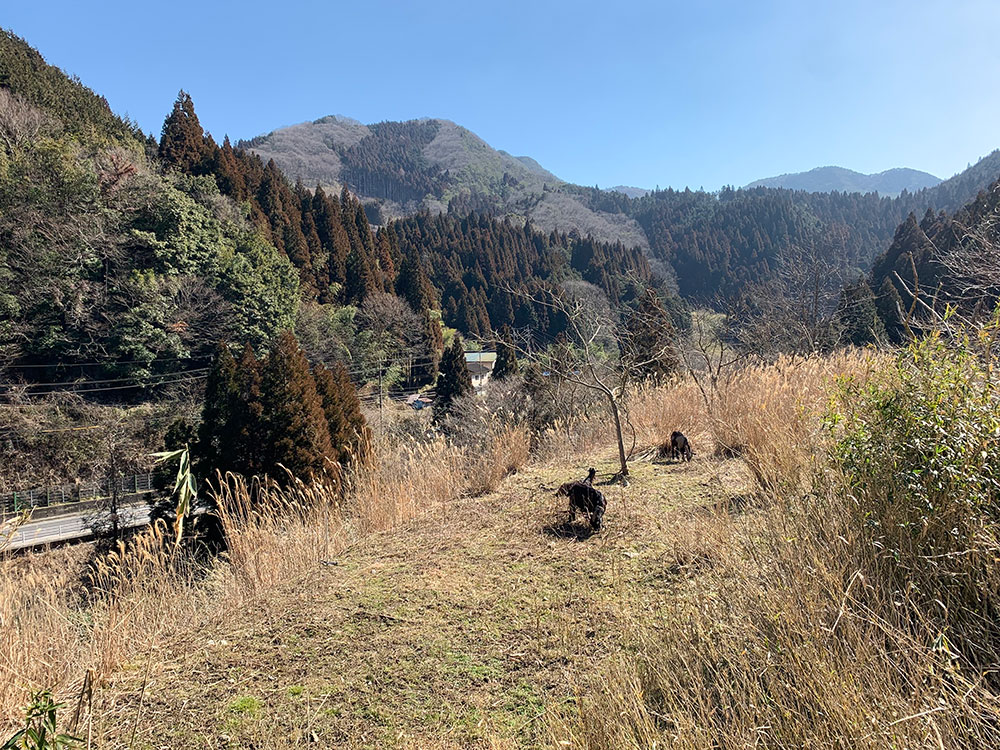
x=126, y=259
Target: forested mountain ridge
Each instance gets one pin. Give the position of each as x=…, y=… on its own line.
x=127, y=259
x=713, y=243
x=631, y=192
x=939, y=265
x=177, y=243
x=891, y=182
x=430, y=165
x=946, y=258
x=718, y=243
x=428, y=160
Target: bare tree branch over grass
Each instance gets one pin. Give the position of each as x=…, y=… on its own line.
x=601, y=353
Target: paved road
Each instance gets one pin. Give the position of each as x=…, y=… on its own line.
x=64, y=528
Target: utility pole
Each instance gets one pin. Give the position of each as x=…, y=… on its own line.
x=114, y=488
x=381, y=413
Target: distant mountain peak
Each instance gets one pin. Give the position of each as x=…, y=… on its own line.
x=431, y=164
x=890, y=183
x=338, y=119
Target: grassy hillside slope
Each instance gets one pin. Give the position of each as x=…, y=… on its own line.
x=470, y=627
x=770, y=593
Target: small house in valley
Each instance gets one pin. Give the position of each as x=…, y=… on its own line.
x=480, y=366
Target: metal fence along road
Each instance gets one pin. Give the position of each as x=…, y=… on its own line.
x=70, y=494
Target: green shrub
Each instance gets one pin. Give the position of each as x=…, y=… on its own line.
x=40, y=732
x=917, y=447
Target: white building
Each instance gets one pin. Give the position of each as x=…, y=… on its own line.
x=480, y=366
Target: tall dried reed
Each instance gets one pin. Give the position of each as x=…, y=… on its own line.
x=769, y=414
x=655, y=412
x=791, y=639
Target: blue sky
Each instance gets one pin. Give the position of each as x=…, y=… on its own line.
x=699, y=93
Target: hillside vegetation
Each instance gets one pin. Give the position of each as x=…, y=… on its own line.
x=742, y=597
x=126, y=262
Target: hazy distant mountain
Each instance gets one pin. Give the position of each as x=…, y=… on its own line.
x=827, y=179
x=631, y=192
x=427, y=164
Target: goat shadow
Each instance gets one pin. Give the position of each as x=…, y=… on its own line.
x=569, y=530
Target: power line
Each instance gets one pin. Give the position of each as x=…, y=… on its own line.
x=376, y=367
x=107, y=380
x=109, y=360
x=120, y=387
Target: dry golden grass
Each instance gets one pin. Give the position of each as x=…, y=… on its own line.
x=59, y=622
x=654, y=413
x=783, y=641
x=467, y=627
x=443, y=603
x=38, y=593
x=772, y=647
x=768, y=414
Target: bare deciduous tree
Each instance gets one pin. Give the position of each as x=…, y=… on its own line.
x=792, y=311
x=599, y=353
x=21, y=123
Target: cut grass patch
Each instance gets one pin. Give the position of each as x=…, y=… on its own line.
x=466, y=628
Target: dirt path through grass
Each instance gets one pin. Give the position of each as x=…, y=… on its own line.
x=472, y=627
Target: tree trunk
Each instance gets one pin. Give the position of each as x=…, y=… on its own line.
x=618, y=433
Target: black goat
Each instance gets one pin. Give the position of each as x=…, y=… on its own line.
x=680, y=446
x=583, y=497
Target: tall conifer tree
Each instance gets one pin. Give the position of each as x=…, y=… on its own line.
x=412, y=283
x=651, y=339
x=454, y=380
x=890, y=311
x=360, y=282
x=247, y=420
x=298, y=437
x=857, y=312
x=182, y=142
x=214, y=447
x=506, y=364
x=349, y=431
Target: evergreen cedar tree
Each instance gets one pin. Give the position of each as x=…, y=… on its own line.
x=652, y=339
x=295, y=428
x=217, y=416
x=246, y=430
x=183, y=145
x=279, y=417
x=350, y=435
x=858, y=314
x=454, y=380
x=889, y=306
x=506, y=364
